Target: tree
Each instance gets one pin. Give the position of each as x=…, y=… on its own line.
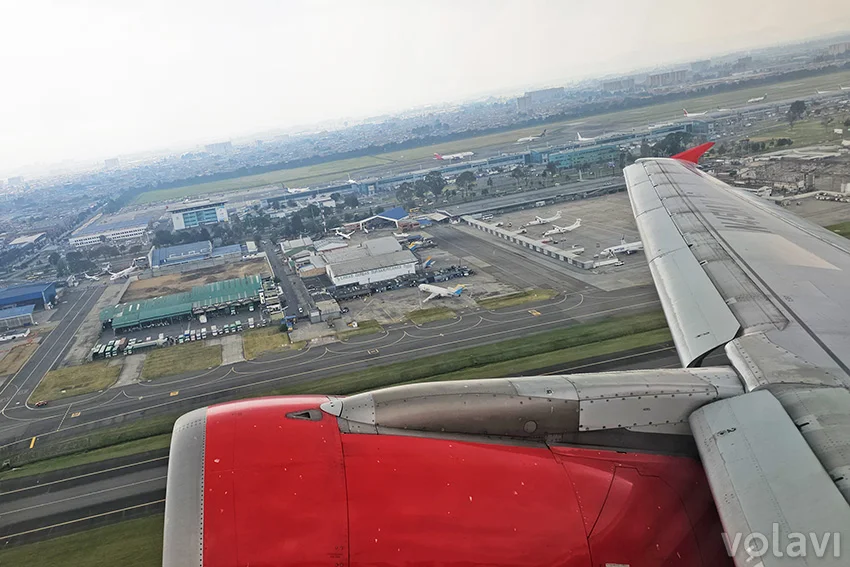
x=420, y=188
x=847, y=123
x=379, y=209
x=435, y=182
x=645, y=149
x=336, y=197
x=796, y=111
x=54, y=258
x=552, y=168
x=351, y=201
x=297, y=224
x=102, y=239
x=672, y=144
x=489, y=182
x=465, y=181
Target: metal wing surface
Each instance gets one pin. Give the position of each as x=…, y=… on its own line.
x=727, y=263
x=773, y=290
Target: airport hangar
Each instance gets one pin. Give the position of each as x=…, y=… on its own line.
x=36, y=294
x=375, y=260
x=180, y=306
x=14, y=317
x=187, y=256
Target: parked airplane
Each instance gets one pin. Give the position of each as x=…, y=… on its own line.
x=583, y=139
x=825, y=92
x=400, y=234
x=125, y=273
x=428, y=262
x=532, y=138
x=92, y=278
x=562, y=229
x=668, y=466
x=437, y=291
x=844, y=88
x=692, y=114
x=623, y=248
x=339, y=232
x=352, y=180
x=757, y=99
x=540, y=220
x=453, y=157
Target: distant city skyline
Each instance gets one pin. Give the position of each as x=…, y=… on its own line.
x=104, y=79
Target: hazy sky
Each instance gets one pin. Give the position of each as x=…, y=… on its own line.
x=98, y=79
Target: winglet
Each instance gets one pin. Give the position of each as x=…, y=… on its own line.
x=692, y=155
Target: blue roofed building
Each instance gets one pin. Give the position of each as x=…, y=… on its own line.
x=189, y=255
x=395, y=216
x=35, y=294
x=14, y=317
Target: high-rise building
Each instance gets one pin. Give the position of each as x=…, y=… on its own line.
x=839, y=48
x=615, y=85
x=219, y=148
x=190, y=215
x=112, y=163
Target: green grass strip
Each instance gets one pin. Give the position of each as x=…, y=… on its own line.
x=134, y=543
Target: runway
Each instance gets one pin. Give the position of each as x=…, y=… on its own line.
x=69, y=500
x=51, y=350
x=174, y=395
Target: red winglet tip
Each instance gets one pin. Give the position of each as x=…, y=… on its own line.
x=692, y=155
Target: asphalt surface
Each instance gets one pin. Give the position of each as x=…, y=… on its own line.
x=76, y=304
x=510, y=264
x=530, y=196
x=69, y=500
x=19, y=423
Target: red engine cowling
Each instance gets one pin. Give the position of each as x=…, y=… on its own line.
x=281, y=485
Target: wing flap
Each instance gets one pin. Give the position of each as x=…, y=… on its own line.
x=698, y=315
x=766, y=480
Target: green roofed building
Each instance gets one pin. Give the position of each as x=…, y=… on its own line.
x=200, y=299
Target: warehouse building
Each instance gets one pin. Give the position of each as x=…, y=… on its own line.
x=190, y=255
x=36, y=294
x=375, y=260
x=199, y=300
x=119, y=231
x=29, y=240
x=191, y=215
x=14, y=317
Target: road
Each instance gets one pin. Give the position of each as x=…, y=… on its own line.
x=295, y=292
x=69, y=500
x=19, y=424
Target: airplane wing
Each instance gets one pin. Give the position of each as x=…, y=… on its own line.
x=432, y=296
x=736, y=272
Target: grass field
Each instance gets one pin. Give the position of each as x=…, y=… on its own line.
x=804, y=133
x=518, y=298
x=420, y=316
x=433, y=367
x=180, y=359
x=16, y=358
x=842, y=228
x=175, y=283
x=527, y=364
x=76, y=380
x=120, y=450
x=259, y=341
x=367, y=327
x=134, y=543
x=588, y=125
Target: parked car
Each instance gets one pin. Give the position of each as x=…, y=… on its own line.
x=41, y=403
